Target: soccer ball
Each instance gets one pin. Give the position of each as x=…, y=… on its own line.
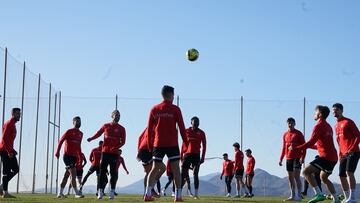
x=192, y=54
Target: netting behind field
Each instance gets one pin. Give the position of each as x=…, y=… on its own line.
x=26, y=91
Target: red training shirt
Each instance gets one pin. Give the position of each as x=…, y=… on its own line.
x=292, y=138
x=8, y=136
x=114, y=137
x=322, y=135
x=121, y=161
x=239, y=160
x=250, y=165
x=143, y=142
x=162, y=125
x=347, y=136
x=95, y=156
x=228, y=168
x=79, y=162
x=195, y=139
x=72, y=139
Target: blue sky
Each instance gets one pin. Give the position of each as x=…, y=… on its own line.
x=273, y=53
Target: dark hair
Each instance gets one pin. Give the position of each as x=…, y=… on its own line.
x=166, y=90
x=76, y=118
x=338, y=106
x=324, y=110
x=225, y=154
x=194, y=118
x=248, y=150
x=115, y=112
x=237, y=145
x=101, y=142
x=15, y=110
x=120, y=150
x=290, y=119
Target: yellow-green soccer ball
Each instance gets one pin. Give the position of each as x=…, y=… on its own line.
x=192, y=54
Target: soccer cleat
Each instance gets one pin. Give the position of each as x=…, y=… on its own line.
x=148, y=199
x=155, y=194
x=100, y=194
x=228, y=195
x=111, y=195
x=178, y=199
x=173, y=194
x=289, y=199
x=79, y=195
x=60, y=195
x=329, y=197
x=196, y=197
x=317, y=198
x=7, y=195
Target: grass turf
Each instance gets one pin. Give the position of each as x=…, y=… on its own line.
x=134, y=198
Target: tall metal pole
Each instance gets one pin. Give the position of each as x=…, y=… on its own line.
x=241, y=122
x=48, y=142
x=4, y=100
x=36, y=133
x=57, y=167
x=177, y=100
x=116, y=102
x=304, y=117
x=21, y=125
x=53, y=147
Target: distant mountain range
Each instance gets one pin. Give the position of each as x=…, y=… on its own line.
x=264, y=184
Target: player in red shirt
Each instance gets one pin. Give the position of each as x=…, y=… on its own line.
x=95, y=157
x=239, y=171
x=348, y=138
x=294, y=158
x=72, y=139
x=228, y=172
x=196, y=138
x=162, y=123
x=322, y=136
x=114, y=139
x=7, y=152
x=145, y=156
x=250, y=165
x=80, y=163
x=121, y=161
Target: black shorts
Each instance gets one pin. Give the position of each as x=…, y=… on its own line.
x=79, y=173
x=293, y=164
x=324, y=165
x=172, y=153
x=239, y=173
x=348, y=163
x=145, y=156
x=251, y=175
x=191, y=160
x=95, y=168
x=69, y=161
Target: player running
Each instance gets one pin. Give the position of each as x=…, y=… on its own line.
x=250, y=165
x=114, y=139
x=239, y=171
x=196, y=141
x=228, y=171
x=317, y=179
x=80, y=163
x=7, y=152
x=322, y=136
x=162, y=127
x=72, y=149
x=348, y=138
x=145, y=156
x=95, y=157
x=294, y=158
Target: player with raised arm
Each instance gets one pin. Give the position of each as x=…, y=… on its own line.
x=114, y=139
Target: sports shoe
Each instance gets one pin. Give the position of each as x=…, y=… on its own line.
x=196, y=197
x=228, y=195
x=111, y=195
x=79, y=195
x=317, y=198
x=155, y=194
x=60, y=195
x=173, y=194
x=329, y=197
x=100, y=194
x=148, y=199
x=178, y=199
x=289, y=199
x=7, y=195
